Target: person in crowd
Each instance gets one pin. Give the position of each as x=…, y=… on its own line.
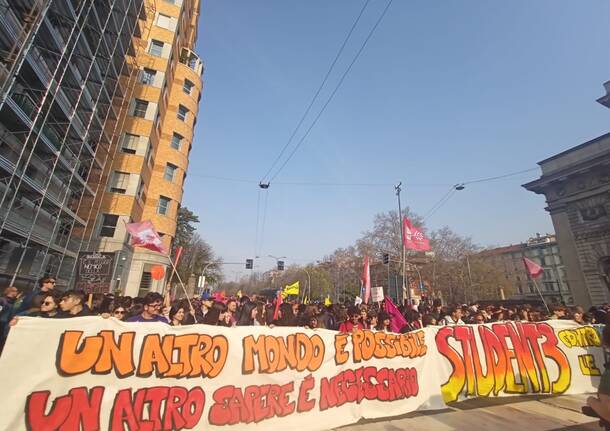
x=454, y=316
x=557, y=312
x=176, y=315
x=372, y=320
x=231, y=313
x=151, y=309
x=49, y=307
x=248, y=313
x=72, y=304
x=119, y=312
x=428, y=320
x=384, y=322
x=478, y=319
x=286, y=316
x=7, y=311
x=313, y=323
x=261, y=312
x=352, y=323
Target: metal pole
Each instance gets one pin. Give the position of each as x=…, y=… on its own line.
x=402, y=243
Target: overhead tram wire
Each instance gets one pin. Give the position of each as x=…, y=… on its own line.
x=317, y=93
x=332, y=95
x=460, y=186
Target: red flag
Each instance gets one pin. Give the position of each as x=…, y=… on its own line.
x=398, y=321
x=413, y=238
x=143, y=234
x=366, y=280
x=532, y=268
x=278, y=302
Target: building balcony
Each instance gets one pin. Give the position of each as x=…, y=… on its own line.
x=191, y=60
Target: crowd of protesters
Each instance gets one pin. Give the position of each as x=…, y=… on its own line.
x=46, y=301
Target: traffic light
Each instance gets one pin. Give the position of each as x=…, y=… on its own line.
x=280, y=265
x=249, y=263
x=386, y=258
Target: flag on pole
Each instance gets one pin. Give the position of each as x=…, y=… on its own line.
x=327, y=301
x=278, y=302
x=239, y=294
x=291, y=289
x=413, y=238
x=398, y=321
x=532, y=268
x=143, y=234
x=366, y=280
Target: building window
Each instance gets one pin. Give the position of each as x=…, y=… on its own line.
x=130, y=143
x=148, y=156
x=147, y=76
x=182, y=112
x=108, y=225
x=176, y=141
x=170, y=172
x=156, y=48
x=140, y=108
x=158, y=120
x=145, y=283
x=164, y=21
x=163, y=207
x=188, y=86
x=140, y=192
x=120, y=182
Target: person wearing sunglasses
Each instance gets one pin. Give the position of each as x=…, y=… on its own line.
x=119, y=313
x=49, y=306
x=32, y=300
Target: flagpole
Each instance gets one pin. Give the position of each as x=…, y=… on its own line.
x=541, y=297
x=175, y=271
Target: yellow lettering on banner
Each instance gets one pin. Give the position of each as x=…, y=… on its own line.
x=586, y=336
x=588, y=366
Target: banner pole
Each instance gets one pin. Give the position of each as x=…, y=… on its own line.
x=541, y=297
x=175, y=271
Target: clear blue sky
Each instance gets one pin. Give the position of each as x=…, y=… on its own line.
x=445, y=92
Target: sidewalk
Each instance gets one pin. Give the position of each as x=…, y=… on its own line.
x=498, y=414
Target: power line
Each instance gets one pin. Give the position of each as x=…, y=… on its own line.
x=440, y=202
x=258, y=206
x=332, y=95
x=330, y=69
x=482, y=180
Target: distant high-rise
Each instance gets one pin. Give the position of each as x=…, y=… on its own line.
x=67, y=73
x=145, y=181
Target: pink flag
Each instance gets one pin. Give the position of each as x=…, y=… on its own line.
x=413, y=238
x=143, y=234
x=398, y=321
x=532, y=268
x=366, y=280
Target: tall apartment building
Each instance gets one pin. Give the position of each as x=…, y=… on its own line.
x=66, y=74
x=147, y=175
x=542, y=249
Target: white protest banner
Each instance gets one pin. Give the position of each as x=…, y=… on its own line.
x=91, y=373
x=377, y=293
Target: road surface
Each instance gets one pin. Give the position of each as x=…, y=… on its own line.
x=499, y=414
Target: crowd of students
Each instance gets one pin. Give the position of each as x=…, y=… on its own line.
x=46, y=302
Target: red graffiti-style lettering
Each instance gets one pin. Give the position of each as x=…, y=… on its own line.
x=352, y=386
x=304, y=403
x=513, y=355
x=253, y=404
x=80, y=409
x=165, y=409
